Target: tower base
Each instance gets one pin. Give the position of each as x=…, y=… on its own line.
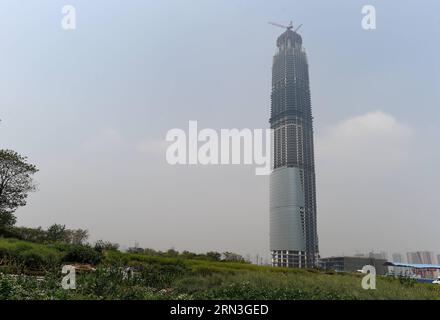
x=289, y=259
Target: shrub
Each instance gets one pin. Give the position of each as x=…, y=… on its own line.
x=81, y=254
x=28, y=255
x=28, y=234
x=161, y=276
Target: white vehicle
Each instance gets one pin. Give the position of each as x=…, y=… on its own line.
x=437, y=281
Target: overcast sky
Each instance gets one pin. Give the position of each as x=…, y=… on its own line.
x=92, y=107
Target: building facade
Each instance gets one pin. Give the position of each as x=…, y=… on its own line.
x=293, y=226
x=378, y=255
x=421, y=257
x=398, y=271
x=353, y=264
x=398, y=257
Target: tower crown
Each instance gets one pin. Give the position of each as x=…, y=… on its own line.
x=289, y=38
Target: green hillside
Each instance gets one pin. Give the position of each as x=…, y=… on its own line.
x=33, y=271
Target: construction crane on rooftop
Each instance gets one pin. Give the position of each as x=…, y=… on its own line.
x=288, y=27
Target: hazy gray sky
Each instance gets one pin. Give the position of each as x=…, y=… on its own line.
x=91, y=108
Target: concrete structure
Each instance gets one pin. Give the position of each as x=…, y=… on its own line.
x=293, y=233
x=353, y=264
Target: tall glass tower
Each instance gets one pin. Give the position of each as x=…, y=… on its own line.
x=293, y=232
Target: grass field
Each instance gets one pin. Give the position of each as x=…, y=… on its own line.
x=156, y=277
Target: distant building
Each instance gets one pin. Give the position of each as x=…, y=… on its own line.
x=378, y=255
x=413, y=257
x=421, y=257
x=353, y=264
x=398, y=271
x=398, y=257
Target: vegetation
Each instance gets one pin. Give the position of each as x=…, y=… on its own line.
x=19, y=256
x=55, y=233
x=30, y=270
x=15, y=184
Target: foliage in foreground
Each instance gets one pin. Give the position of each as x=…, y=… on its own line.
x=121, y=275
x=152, y=283
x=19, y=256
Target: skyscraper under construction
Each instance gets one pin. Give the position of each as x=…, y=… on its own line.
x=293, y=227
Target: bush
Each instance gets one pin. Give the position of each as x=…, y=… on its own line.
x=27, y=255
x=81, y=254
x=33, y=259
x=161, y=276
x=28, y=234
x=8, y=232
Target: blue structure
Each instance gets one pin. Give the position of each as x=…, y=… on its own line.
x=426, y=272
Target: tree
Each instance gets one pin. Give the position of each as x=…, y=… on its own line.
x=172, y=253
x=232, y=257
x=213, y=255
x=135, y=249
x=102, y=246
x=56, y=233
x=30, y=234
x=77, y=236
x=7, y=220
x=150, y=252
x=15, y=183
x=189, y=255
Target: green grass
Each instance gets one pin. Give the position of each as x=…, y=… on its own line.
x=159, y=277
x=22, y=255
x=29, y=257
